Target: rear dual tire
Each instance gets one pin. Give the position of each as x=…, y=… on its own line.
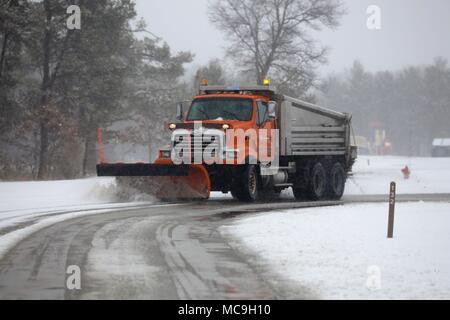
x=337, y=180
x=317, y=189
x=321, y=184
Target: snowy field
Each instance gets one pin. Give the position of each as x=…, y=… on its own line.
x=28, y=196
x=343, y=253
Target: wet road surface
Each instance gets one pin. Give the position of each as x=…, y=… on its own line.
x=154, y=252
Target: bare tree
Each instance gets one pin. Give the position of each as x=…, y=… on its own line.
x=272, y=37
x=214, y=72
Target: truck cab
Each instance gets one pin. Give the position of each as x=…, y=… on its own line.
x=210, y=117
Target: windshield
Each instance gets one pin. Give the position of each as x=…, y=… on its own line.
x=221, y=109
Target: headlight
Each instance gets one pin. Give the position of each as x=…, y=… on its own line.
x=172, y=126
x=226, y=126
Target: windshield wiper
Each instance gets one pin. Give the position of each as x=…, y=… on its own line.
x=233, y=115
x=204, y=113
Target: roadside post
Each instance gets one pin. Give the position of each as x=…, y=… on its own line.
x=392, y=195
x=100, y=145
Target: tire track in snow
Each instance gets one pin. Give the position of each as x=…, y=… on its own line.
x=17, y=229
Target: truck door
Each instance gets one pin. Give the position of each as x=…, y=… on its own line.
x=264, y=122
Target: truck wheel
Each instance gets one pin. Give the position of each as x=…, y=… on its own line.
x=317, y=186
x=337, y=179
x=246, y=185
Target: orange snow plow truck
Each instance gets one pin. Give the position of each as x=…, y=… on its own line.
x=250, y=141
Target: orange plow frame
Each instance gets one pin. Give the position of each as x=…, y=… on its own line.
x=196, y=185
x=163, y=179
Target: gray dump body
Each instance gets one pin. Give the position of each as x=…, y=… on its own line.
x=308, y=130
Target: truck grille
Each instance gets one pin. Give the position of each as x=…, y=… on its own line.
x=197, y=144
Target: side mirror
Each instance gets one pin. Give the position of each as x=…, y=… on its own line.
x=272, y=109
x=180, y=111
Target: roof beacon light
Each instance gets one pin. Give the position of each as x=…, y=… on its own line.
x=266, y=82
x=205, y=82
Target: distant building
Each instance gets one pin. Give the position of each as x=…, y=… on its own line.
x=363, y=145
x=382, y=145
x=441, y=148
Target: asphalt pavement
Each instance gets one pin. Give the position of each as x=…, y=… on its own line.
x=155, y=252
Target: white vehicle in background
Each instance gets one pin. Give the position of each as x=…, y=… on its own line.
x=441, y=148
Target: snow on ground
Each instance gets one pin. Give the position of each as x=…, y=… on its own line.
x=26, y=207
x=24, y=226
x=23, y=202
x=52, y=194
x=372, y=175
x=343, y=252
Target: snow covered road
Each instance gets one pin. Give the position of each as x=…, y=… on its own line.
x=223, y=249
x=156, y=252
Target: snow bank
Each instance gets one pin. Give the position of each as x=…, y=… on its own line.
x=338, y=252
x=53, y=194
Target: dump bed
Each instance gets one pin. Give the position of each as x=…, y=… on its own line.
x=307, y=129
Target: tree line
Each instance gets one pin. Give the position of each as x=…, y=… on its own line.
x=412, y=104
x=57, y=86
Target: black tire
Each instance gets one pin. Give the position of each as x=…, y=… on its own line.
x=246, y=184
x=336, y=182
x=317, y=184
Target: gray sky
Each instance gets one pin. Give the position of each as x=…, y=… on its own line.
x=412, y=32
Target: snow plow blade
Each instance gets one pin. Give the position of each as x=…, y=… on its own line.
x=163, y=180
